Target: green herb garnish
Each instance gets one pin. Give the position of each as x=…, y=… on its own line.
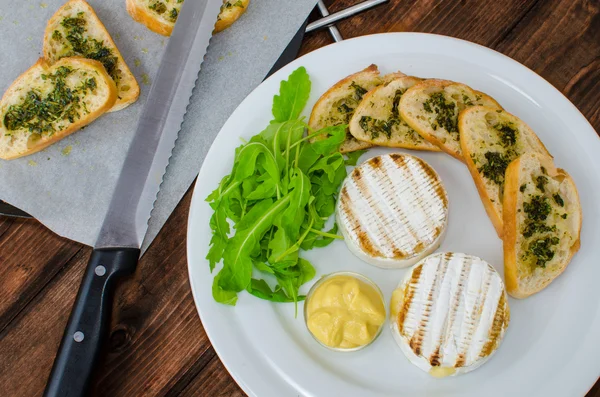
x=541, y=182
x=37, y=113
x=495, y=167
x=558, y=199
x=542, y=250
x=88, y=47
x=445, y=112
x=507, y=134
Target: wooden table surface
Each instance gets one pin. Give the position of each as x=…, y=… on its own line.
x=157, y=344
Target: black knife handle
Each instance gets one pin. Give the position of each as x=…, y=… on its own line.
x=90, y=317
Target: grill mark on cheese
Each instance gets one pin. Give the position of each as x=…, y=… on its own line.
x=455, y=304
x=402, y=218
x=416, y=341
x=363, y=240
x=498, y=326
x=426, y=173
x=362, y=186
x=408, y=297
x=476, y=313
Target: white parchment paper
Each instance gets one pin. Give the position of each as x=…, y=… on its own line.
x=68, y=186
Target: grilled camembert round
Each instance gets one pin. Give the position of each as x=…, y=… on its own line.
x=393, y=210
x=449, y=313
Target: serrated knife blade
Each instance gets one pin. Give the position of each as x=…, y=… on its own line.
x=116, y=251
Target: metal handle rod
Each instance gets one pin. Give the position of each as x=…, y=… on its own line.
x=335, y=33
x=330, y=19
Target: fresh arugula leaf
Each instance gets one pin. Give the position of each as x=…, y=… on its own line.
x=253, y=154
x=329, y=165
x=237, y=262
x=221, y=295
x=218, y=241
x=352, y=157
x=331, y=140
x=261, y=289
x=293, y=95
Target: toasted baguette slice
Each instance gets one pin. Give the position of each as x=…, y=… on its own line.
x=158, y=15
x=231, y=11
x=49, y=102
x=76, y=30
x=431, y=108
x=490, y=139
x=336, y=106
x=377, y=120
x=542, y=223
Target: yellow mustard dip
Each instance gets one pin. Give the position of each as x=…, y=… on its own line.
x=344, y=312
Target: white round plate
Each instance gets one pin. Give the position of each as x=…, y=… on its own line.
x=552, y=346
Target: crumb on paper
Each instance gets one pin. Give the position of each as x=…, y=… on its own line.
x=15, y=22
x=1, y=17
x=118, y=35
x=265, y=38
x=221, y=58
x=229, y=53
x=77, y=143
x=136, y=37
x=145, y=50
x=29, y=38
x=137, y=62
x=146, y=79
x=32, y=163
x=43, y=5
x=162, y=42
x=48, y=158
x=67, y=150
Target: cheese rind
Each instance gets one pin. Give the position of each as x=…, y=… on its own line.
x=393, y=210
x=450, y=312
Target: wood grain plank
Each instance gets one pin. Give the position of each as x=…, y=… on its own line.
x=157, y=336
x=29, y=345
x=560, y=40
x=476, y=21
x=214, y=380
x=31, y=255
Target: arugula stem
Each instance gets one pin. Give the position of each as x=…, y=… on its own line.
x=305, y=139
x=296, y=246
x=325, y=234
x=228, y=190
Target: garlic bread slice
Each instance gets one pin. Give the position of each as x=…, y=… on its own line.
x=231, y=11
x=49, y=102
x=490, y=139
x=542, y=223
x=158, y=15
x=76, y=30
x=431, y=108
x=336, y=106
x=377, y=118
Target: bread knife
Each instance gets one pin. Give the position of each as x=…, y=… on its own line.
x=117, y=248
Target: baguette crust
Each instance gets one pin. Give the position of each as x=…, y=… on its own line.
x=521, y=281
x=139, y=11
x=16, y=93
x=128, y=90
x=477, y=137
x=325, y=112
x=231, y=11
x=424, y=119
x=380, y=107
